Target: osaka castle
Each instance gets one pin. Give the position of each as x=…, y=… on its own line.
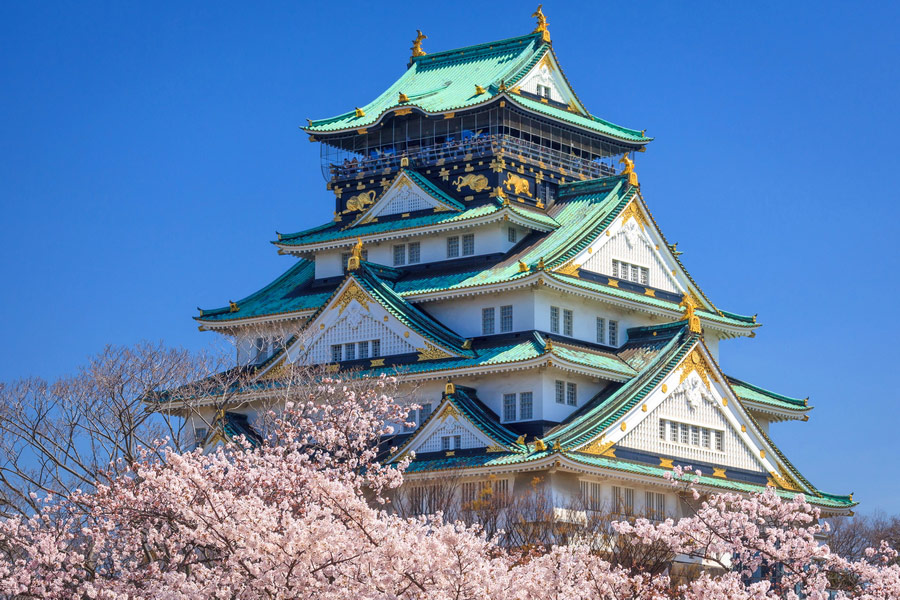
x=492, y=248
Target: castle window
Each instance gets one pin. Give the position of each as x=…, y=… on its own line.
x=424, y=412
x=526, y=406
x=623, y=500
x=571, y=394
x=630, y=272
x=399, y=255
x=560, y=392
x=613, y=333
x=453, y=246
x=450, y=442
x=591, y=495
x=509, y=407
x=376, y=348
x=335, y=353
x=567, y=322
x=512, y=234
x=662, y=430
x=692, y=435
x=506, y=318
x=487, y=321
x=363, y=348
x=720, y=446
x=543, y=91
x=349, y=351
x=695, y=435
x=705, y=442
x=468, y=248
x=655, y=505
x=601, y=330
x=554, y=319
x=414, y=254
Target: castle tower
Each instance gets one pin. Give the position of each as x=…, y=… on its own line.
x=491, y=247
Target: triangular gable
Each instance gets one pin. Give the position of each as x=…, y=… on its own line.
x=409, y=193
x=696, y=393
x=548, y=74
x=354, y=314
x=633, y=248
x=459, y=415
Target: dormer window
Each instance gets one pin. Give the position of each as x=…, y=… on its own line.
x=543, y=91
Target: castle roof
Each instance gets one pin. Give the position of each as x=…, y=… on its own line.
x=446, y=81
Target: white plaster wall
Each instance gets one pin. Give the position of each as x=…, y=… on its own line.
x=633, y=246
x=490, y=238
x=584, y=314
x=587, y=388
x=463, y=315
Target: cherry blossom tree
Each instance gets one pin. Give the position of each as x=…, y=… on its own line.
x=307, y=514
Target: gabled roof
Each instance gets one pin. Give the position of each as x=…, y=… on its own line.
x=407, y=177
x=446, y=81
x=755, y=396
x=463, y=402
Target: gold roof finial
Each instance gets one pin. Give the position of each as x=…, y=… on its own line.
x=548, y=345
x=693, y=320
x=539, y=445
x=359, y=112
x=449, y=389
x=355, y=255
x=541, y=23
x=401, y=97
x=417, y=44
x=232, y=306
x=479, y=90
x=628, y=171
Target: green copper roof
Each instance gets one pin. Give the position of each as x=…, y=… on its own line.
x=752, y=393
x=291, y=292
x=445, y=81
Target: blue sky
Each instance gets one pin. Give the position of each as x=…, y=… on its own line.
x=149, y=152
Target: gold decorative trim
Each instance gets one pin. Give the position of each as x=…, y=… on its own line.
x=401, y=112
x=633, y=212
x=353, y=292
x=450, y=411
x=598, y=447
x=666, y=463
x=695, y=363
x=719, y=472
x=570, y=268
x=495, y=448
x=432, y=352
x=477, y=183
x=376, y=362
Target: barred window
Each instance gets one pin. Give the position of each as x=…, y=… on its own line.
x=591, y=495
x=720, y=445
x=363, y=348
x=645, y=276
x=571, y=394
x=662, y=429
x=487, y=321
x=695, y=435
x=468, y=248
x=376, y=348
x=414, y=253
x=655, y=505
x=601, y=330
x=613, y=333
x=453, y=246
x=424, y=412
x=685, y=433
x=630, y=272
x=560, y=392
x=399, y=255
x=336, y=353
x=512, y=235
x=450, y=442
x=554, y=319
x=526, y=406
x=567, y=322
x=506, y=318
x=349, y=351
x=509, y=407
x=623, y=500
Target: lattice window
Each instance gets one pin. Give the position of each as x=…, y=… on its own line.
x=363, y=349
x=487, y=320
x=512, y=235
x=571, y=394
x=554, y=319
x=506, y=318
x=601, y=330
x=453, y=246
x=454, y=429
x=406, y=201
x=486, y=489
x=399, y=255
x=336, y=353
x=526, y=406
x=468, y=247
x=414, y=253
x=567, y=322
x=509, y=407
x=655, y=505
x=360, y=328
x=613, y=333
x=350, y=351
x=560, y=388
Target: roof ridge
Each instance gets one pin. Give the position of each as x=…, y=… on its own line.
x=495, y=46
x=799, y=401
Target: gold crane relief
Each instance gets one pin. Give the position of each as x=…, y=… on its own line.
x=517, y=185
x=477, y=183
x=360, y=201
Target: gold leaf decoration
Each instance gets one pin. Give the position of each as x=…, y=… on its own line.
x=633, y=212
x=432, y=352
x=353, y=292
x=695, y=363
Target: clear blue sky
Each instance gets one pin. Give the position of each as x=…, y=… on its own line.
x=149, y=152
